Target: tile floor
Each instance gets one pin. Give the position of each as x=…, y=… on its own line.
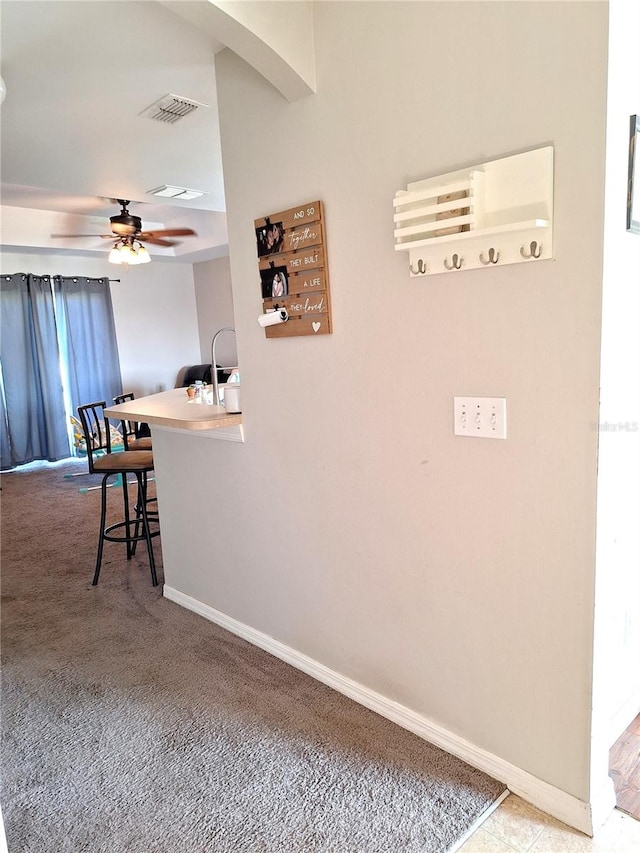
x=517, y=827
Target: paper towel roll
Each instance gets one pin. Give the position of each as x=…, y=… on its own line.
x=271, y=318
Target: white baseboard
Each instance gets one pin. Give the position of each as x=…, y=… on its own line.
x=542, y=795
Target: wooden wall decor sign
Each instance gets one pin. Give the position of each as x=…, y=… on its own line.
x=292, y=262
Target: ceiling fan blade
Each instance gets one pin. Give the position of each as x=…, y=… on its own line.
x=106, y=236
x=157, y=241
x=167, y=232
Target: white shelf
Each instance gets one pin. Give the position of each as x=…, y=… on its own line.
x=405, y=197
x=511, y=228
x=438, y=225
x=432, y=210
x=516, y=192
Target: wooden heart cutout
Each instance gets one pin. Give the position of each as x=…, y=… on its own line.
x=315, y=326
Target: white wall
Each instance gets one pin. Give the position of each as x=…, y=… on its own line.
x=617, y=647
x=455, y=577
x=287, y=29
x=275, y=38
x=155, y=313
x=214, y=300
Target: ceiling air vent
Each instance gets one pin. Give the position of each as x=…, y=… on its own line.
x=171, y=108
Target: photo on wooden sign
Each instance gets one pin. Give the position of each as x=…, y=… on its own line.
x=269, y=238
x=274, y=282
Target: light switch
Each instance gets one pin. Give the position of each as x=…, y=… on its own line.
x=480, y=417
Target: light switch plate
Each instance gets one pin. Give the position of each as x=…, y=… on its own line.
x=480, y=417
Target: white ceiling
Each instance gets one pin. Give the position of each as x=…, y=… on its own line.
x=78, y=75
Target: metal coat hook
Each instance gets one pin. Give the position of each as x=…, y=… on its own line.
x=532, y=250
x=422, y=268
x=494, y=257
x=456, y=263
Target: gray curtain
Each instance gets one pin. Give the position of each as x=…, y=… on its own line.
x=34, y=422
x=88, y=339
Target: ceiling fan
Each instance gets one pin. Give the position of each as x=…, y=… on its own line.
x=126, y=230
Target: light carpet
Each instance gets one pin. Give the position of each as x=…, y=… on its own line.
x=131, y=724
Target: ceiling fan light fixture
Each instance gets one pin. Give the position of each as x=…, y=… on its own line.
x=129, y=252
x=125, y=224
x=126, y=253
x=127, y=234
x=142, y=255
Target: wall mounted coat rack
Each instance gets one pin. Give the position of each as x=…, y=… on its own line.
x=495, y=213
x=292, y=263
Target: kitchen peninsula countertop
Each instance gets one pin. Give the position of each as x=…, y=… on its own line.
x=175, y=410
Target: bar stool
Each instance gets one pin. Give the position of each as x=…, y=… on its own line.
x=131, y=434
x=134, y=440
x=102, y=460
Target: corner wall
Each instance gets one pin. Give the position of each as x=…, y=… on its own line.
x=617, y=637
x=214, y=301
x=454, y=577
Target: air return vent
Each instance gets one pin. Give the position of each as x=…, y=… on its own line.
x=171, y=108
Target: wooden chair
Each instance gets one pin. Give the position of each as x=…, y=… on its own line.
x=133, y=528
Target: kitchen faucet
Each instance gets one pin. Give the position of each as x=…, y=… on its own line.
x=214, y=364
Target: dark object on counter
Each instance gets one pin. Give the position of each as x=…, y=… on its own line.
x=199, y=373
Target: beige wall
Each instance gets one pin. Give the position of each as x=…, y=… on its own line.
x=454, y=576
x=214, y=301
